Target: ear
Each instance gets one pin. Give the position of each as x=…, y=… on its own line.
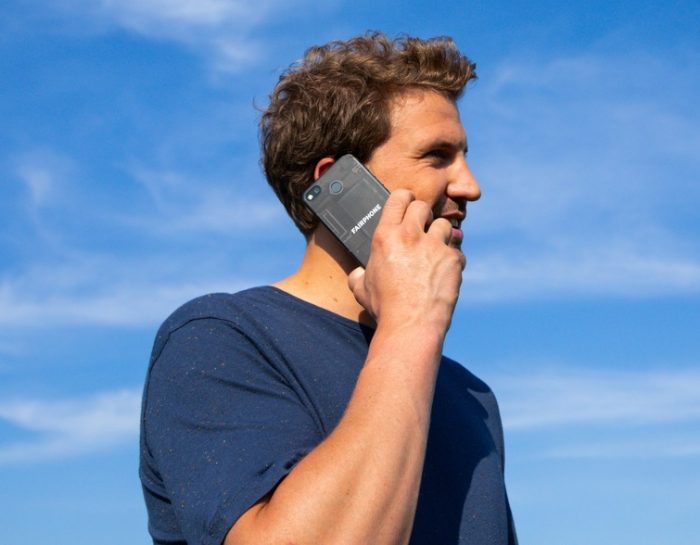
x=322, y=166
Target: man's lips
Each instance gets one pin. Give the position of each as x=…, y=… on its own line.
x=455, y=219
x=456, y=223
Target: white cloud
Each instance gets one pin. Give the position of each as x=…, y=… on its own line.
x=659, y=446
x=578, y=271
x=150, y=13
x=586, y=398
x=186, y=204
x=45, y=175
x=132, y=291
x=38, y=180
x=70, y=427
x=222, y=212
x=69, y=296
x=567, y=413
x=580, y=144
x=590, y=178
x=222, y=29
x=565, y=231
x=233, y=52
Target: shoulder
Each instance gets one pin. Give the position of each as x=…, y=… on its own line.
x=222, y=306
x=457, y=380
x=234, y=312
x=459, y=375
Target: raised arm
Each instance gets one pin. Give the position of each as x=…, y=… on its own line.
x=360, y=485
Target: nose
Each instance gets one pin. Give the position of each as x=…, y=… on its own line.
x=463, y=184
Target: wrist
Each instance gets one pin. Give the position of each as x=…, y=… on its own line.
x=421, y=326
x=419, y=337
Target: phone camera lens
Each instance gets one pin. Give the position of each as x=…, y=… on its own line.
x=313, y=192
x=336, y=187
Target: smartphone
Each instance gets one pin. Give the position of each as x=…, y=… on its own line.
x=349, y=200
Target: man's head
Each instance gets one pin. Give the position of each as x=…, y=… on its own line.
x=338, y=100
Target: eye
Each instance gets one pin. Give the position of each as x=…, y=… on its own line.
x=440, y=157
x=442, y=154
x=438, y=153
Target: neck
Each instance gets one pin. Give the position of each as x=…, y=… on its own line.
x=322, y=277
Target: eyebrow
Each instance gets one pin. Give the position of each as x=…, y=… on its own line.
x=450, y=144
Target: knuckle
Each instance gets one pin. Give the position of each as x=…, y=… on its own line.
x=402, y=193
x=460, y=259
x=442, y=223
x=400, y=197
x=454, y=257
x=422, y=206
x=380, y=237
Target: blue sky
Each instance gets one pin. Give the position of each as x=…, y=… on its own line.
x=129, y=183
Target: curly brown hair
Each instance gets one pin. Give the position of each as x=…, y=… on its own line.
x=337, y=100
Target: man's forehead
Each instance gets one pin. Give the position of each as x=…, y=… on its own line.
x=427, y=117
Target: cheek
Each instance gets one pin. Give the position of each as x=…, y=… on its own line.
x=430, y=190
x=426, y=184
x=423, y=186
x=396, y=178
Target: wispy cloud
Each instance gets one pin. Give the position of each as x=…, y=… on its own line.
x=45, y=174
x=584, y=270
x=584, y=144
x=569, y=413
x=70, y=427
x=184, y=204
x=589, y=174
x=222, y=29
x=102, y=293
x=587, y=398
x=38, y=180
x=560, y=230
x=77, y=284
x=48, y=179
x=658, y=446
x=150, y=13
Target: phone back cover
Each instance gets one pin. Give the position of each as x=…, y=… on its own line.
x=351, y=215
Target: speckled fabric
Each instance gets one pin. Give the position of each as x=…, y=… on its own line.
x=240, y=387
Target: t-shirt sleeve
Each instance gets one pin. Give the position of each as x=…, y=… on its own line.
x=222, y=424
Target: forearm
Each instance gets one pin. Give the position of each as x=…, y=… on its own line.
x=361, y=484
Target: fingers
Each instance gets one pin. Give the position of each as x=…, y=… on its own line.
x=442, y=229
x=395, y=207
x=402, y=208
x=418, y=215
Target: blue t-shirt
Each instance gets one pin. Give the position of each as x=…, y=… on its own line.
x=240, y=387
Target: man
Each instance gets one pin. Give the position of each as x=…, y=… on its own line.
x=320, y=410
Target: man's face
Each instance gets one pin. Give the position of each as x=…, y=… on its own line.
x=426, y=153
